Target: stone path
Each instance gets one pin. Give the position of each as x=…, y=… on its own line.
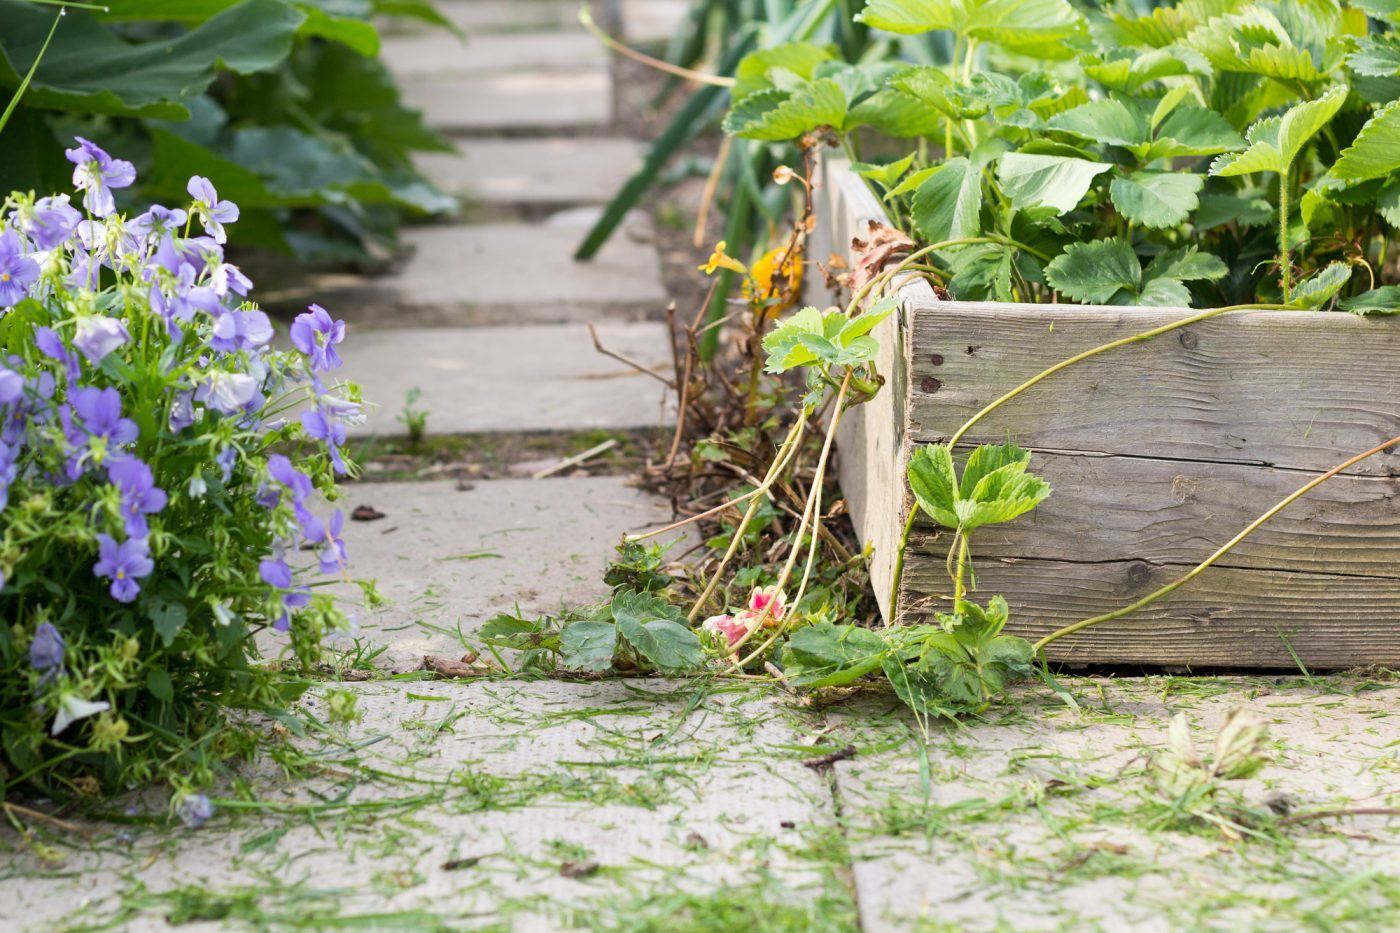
x=653, y=804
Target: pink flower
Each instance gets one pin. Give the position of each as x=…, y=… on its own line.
x=731, y=628
x=762, y=598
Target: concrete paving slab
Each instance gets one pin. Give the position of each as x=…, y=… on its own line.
x=442, y=54
x=518, y=805
x=1048, y=800
x=537, y=378
x=448, y=558
x=653, y=21
x=529, y=100
x=498, y=17
x=582, y=170
x=496, y=273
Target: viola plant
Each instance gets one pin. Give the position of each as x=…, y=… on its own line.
x=161, y=463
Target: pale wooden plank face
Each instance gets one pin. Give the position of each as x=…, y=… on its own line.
x=1158, y=453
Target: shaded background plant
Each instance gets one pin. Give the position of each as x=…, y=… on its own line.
x=284, y=101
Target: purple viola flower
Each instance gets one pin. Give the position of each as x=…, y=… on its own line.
x=240, y=330
x=96, y=174
x=181, y=411
x=139, y=494
x=9, y=469
x=46, y=650
x=101, y=413
x=225, y=392
x=329, y=431
x=159, y=220
x=11, y=386
x=226, y=277
x=275, y=572
x=225, y=460
x=194, y=810
x=18, y=271
x=213, y=213
x=123, y=564
x=98, y=335
x=316, y=334
x=51, y=222
x=291, y=602
x=84, y=269
x=297, y=482
x=333, y=555
x=52, y=346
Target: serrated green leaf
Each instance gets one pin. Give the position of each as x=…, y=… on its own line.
x=1037, y=28
x=168, y=617
x=1096, y=271
x=1186, y=264
x=1192, y=131
x=866, y=321
x=1111, y=121
x=1275, y=142
x=1375, y=152
x=799, y=58
x=778, y=115
x=1001, y=496
x=1383, y=300
x=588, y=646
x=1216, y=210
x=934, y=482
x=1157, y=293
x=1156, y=199
x=656, y=631
x=1377, y=56
x=1034, y=180
x=826, y=655
x=948, y=204
x=886, y=175
x=987, y=459
x=1321, y=288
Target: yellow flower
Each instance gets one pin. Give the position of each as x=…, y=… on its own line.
x=718, y=260
x=760, y=289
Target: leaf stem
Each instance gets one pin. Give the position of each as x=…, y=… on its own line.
x=1221, y=552
x=959, y=590
x=899, y=561
x=1103, y=348
x=1285, y=260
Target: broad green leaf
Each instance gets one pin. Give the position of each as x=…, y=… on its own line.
x=1037, y=28
x=865, y=322
x=784, y=346
x=920, y=687
x=168, y=617
x=1274, y=142
x=911, y=182
x=1377, y=56
x=1157, y=293
x=1383, y=300
x=1244, y=210
x=159, y=684
x=986, y=459
x=948, y=204
x=1193, y=131
x=799, y=58
x=1109, y=121
x=887, y=175
x=1094, y=272
x=588, y=646
x=1388, y=202
x=1156, y=199
x=1304, y=121
x=89, y=69
x=671, y=647
x=1375, y=152
x=826, y=655
x=1186, y=264
x=893, y=113
x=1033, y=180
x=1002, y=495
x=779, y=115
x=1321, y=288
x=934, y=483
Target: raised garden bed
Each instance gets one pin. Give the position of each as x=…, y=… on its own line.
x=1157, y=454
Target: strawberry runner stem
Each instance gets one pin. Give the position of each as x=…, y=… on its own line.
x=1221, y=552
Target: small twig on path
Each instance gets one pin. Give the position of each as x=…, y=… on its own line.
x=576, y=459
x=597, y=345
x=823, y=763
x=40, y=815
x=1328, y=814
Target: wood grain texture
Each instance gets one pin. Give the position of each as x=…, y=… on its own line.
x=871, y=443
x=1157, y=454
x=1105, y=508
x=1224, y=618
x=1293, y=389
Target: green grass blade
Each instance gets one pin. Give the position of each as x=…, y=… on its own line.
x=24, y=85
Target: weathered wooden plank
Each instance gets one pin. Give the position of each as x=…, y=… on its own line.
x=1294, y=389
x=1224, y=618
x=1105, y=508
x=872, y=448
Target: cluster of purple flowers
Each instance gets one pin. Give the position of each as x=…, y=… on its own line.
x=66, y=401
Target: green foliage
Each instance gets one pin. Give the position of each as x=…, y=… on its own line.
x=302, y=122
x=994, y=486
x=824, y=339
x=1070, y=152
